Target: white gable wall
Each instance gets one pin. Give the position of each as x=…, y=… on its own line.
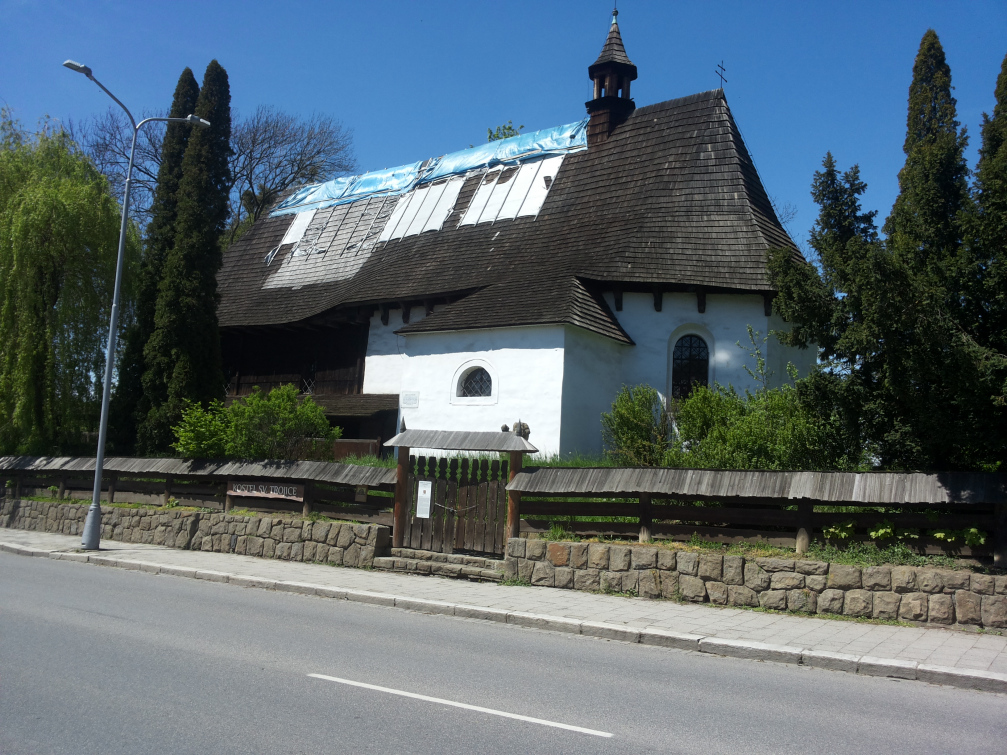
x=592, y=375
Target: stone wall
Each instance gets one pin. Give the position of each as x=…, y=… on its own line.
x=289, y=539
x=906, y=593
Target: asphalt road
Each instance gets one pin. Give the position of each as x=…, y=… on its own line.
x=105, y=660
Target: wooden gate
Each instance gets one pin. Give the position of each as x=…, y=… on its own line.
x=468, y=505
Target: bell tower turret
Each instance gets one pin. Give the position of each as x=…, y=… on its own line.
x=611, y=73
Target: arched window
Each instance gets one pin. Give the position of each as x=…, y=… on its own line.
x=690, y=365
x=476, y=382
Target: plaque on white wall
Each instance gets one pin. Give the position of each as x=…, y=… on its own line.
x=409, y=399
x=423, y=499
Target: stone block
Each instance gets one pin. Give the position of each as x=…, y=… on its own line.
x=688, y=563
x=282, y=550
x=320, y=532
x=321, y=553
x=510, y=569
x=597, y=556
x=994, y=611
x=515, y=547
x=842, y=577
x=775, y=564
x=914, y=606
x=774, y=599
x=811, y=568
x=955, y=580
x=816, y=582
x=611, y=581
x=558, y=554
x=308, y=553
x=535, y=549
x=644, y=558
x=345, y=537
x=999, y=585
x=691, y=588
x=670, y=585
x=804, y=601
x=276, y=533
x=587, y=579
x=297, y=551
x=618, y=558
x=667, y=559
x=710, y=567
x=578, y=555
x=783, y=580
x=756, y=578
x=649, y=584
x=857, y=602
x=335, y=555
x=739, y=595
x=941, y=610
x=877, y=577
x=351, y=555
x=886, y=605
x=630, y=581
x=929, y=580
x=524, y=569
x=903, y=579
x=241, y=545
x=264, y=528
x=717, y=592
x=734, y=570
x=544, y=574
x=982, y=584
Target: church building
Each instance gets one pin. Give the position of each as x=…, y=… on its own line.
x=525, y=279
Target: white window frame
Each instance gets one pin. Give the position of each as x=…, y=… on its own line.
x=460, y=375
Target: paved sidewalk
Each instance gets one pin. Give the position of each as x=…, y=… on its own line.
x=968, y=659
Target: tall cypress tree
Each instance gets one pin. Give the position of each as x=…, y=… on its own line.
x=129, y=404
x=182, y=356
x=925, y=227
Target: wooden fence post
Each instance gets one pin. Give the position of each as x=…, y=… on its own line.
x=112, y=480
x=62, y=488
x=805, y=509
x=645, y=517
x=514, y=497
x=1000, y=535
x=17, y=487
x=167, y=490
x=401, y=497
x=308, y=495
x=228, y=498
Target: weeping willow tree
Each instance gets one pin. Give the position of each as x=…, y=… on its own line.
x=59, y=229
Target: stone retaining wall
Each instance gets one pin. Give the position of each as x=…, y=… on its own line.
x=906, y=593
x=289, y=539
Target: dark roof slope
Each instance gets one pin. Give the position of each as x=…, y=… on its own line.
x=671, y=200
x=613, y=50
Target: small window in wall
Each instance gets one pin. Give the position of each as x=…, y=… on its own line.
x=690, y=365
x=474, y=383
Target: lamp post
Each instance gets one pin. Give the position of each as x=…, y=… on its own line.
x=92, y=525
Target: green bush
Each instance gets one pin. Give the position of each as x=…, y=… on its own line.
x=637, y=432
x=261, y=426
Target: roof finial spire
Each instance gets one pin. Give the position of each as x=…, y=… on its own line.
x=615, y=11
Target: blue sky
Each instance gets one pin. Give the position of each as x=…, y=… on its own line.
x=417, y=79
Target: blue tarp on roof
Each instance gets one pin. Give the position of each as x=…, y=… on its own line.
x=393, y=181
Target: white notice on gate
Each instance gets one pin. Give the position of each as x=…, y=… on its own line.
x=423, y=500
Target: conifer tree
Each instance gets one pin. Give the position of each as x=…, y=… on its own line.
x=182, y=356
x=925, y=227
x=130, y=405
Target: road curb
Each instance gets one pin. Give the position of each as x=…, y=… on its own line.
x=985, y=681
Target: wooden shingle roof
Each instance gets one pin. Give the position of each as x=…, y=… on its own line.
x=671, y=201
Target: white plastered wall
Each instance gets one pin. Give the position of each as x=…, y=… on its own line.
x=385, y=359
x=592, y=375
x=525, y=363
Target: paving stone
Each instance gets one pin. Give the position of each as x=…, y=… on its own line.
x=843, y=577
x=877, y=578
x=711, y=567
x=688, y=563
x=717, y=592
x=913, y=606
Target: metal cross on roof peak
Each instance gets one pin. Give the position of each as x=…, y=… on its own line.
x=720, y=71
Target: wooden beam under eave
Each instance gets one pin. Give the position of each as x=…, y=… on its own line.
x=658, y=300
x=384, y=314
x=406, y=309
x=701, y=302
x=618, y=299
x=767, y=304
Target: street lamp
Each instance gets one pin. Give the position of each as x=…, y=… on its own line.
x=92, y=525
